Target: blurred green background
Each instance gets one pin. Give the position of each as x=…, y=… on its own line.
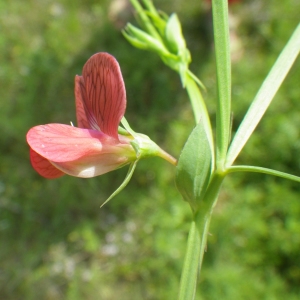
x=55, y=241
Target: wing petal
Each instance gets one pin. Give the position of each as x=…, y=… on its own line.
x=43, y=166
x=78, y=152
x=105, y=100
x=60, y=142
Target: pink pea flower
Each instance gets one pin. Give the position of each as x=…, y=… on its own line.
x=94, y=147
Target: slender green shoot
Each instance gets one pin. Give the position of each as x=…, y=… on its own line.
x=256, y=169
x=265, y=96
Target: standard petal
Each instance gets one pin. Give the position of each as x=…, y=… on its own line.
x=43, y=166
x=103, y=93
x=80, y=93
x=61, y=143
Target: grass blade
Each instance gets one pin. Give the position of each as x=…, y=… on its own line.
x=265, y=95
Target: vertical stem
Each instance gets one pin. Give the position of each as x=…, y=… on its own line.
x=188, y=281
x=223, y=65
x=197, y=240
x=203, y=216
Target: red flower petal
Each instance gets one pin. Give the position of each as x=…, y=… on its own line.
x=61, y=143
x=102, y=93
x=75, y=151
x=43, y=166
x=82, y=120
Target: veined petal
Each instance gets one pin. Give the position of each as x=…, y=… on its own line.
x=43, y=166
x=101, y=92
x=82, y=120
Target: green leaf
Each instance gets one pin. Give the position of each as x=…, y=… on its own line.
x=200, y=110
x=194, y=167
x=124, y=183
x=265, y=96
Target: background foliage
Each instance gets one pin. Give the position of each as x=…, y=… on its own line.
x=55, y=242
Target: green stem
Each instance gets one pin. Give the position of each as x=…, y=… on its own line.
x=145, y=19
x=149, y=5
x=190, y=269
x=223, y=65
x=196, y=244
x=206, y=208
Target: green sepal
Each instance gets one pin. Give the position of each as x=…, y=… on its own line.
x=174, y=35
x=194, y=167
x=123, y=131
x=144, y=146
x=127, y=127
x=124, y=183
x=197, y=80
